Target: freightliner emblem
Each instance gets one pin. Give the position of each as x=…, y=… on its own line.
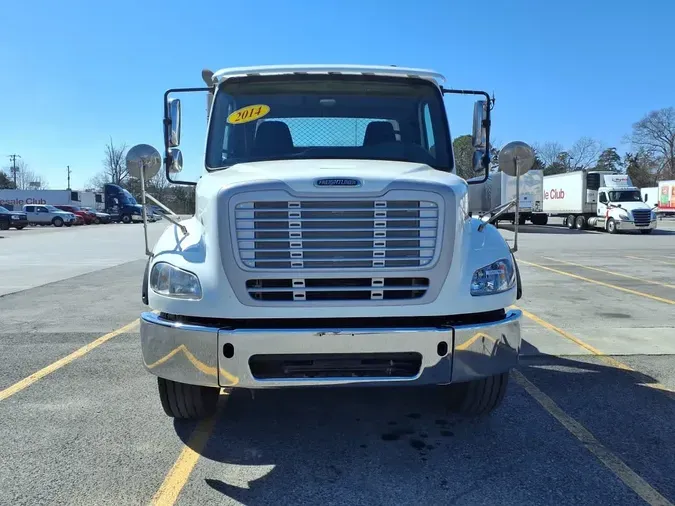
x=336, y=181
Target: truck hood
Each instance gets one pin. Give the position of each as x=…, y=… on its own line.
x=632, y=206
x=301, y=175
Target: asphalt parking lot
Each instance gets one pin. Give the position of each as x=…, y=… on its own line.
x=589, y=417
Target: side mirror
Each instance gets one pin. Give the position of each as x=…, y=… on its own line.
x=645, y=198
x=174, y=118
x=477, y=161
x=479, y=132
x=175, y=161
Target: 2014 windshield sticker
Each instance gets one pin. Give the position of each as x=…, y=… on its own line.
x=248, y=113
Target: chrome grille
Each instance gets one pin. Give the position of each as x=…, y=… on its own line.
x=336, y=234
x=336, y=289
x=642, y=216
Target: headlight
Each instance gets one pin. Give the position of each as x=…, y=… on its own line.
x=165, y=279
x=624, y=215
x=497, y=277
x=16, y=217
x=653, y=218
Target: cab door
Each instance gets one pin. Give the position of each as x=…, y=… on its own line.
x=602, y=207
x=31, y=214
x=42, y=215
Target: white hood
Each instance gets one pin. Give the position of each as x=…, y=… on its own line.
x=299, y=175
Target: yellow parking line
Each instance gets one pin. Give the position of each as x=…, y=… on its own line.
x=608, y=360
x=610, y=272
x=617, y=466
x=601, y=283
x=26, y=382
x=651, y=260
x=178, y=475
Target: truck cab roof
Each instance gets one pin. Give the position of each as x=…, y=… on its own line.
x=377, y=70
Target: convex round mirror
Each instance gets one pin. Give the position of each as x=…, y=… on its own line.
x=516, y=158
x=145, y=159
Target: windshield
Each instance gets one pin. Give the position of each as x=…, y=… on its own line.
x=3, y=210
x=625, y=196
x=54, y=209
x=326, y=117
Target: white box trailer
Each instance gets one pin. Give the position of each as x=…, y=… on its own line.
x=500, y=188
x=16, y=199
x=597, y=199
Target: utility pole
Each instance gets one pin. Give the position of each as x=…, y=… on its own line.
x=68, y=167
x=14, y=169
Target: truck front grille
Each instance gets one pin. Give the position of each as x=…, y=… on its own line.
x=336, y=289
x=364, y=365
x=344, y=234
x=642, y=216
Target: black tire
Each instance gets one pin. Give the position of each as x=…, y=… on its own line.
x=611, y=226
x=69, y=224
x=97, y=221
x=4, y=226
x=478, y=397
x=646, y=232
x=580, y=223
x=144, y=287
x=19, y=227
x=522, y=219
x=519, y=284
x=57, y=222
x=180, y=400
x=539, y=219
x=570, y=221
x=126, y=218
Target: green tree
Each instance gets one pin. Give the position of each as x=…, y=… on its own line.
x=609, y=159
x=5, y=182
x=463, y=149
x=641, y=168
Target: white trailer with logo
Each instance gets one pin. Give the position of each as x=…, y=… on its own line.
x=16, y=199
x=500, y=188
x=597, y=199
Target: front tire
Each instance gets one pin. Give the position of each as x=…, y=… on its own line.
x=19, y=227
x=180, y=400
x=57, y=222
x=611, y=226
x=478, y=397
x=646, y=232
x=126, y=219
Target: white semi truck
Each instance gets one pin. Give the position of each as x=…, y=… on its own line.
x=597, y=199
x=331, y=243
x=500, y=188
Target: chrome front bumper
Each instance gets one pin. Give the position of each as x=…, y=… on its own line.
x=196, y=354
x=630, y=225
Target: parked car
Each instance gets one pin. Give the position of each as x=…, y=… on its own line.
x=99, y=216
x=16, y=219
x=49, y=215
x=87, y=217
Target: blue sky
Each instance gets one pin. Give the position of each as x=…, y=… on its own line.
x=76, y=73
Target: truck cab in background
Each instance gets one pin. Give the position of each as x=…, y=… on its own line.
x=331, y=243
x=121, y=205
x=597, y=199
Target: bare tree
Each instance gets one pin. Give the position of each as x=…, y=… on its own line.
x=114, y=163
x=655, y=134
x=548, y=152
x=584, y=153
x=28, y=179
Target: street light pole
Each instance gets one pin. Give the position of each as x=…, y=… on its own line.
x=68, y=168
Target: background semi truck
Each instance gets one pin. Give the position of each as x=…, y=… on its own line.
x=500, y=188
x=597, y=199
